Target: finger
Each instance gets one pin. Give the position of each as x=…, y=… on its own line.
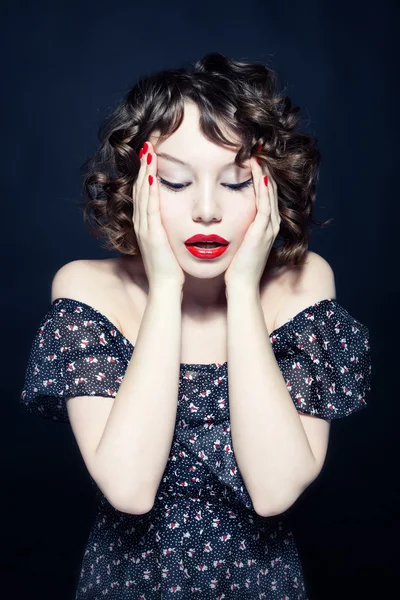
x=262, y=192
x=153, y=205
x=273, y=194
x=268, y=196
x=143, y=164
x=137, y=190
x=143, y=187
x=147, y=159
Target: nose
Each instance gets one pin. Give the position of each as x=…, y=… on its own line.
x=206, y=208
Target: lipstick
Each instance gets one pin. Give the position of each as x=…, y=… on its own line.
x=207, y=252
x=203, y=251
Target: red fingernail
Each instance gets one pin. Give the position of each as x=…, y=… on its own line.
x=145, y=147
x=258, y=160
x=149, y=158
x=151, y=179
x=266, y=179
x=141, y=153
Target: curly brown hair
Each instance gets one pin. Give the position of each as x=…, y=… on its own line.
x=242, y=97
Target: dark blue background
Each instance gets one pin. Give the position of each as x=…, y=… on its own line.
x=64, y=66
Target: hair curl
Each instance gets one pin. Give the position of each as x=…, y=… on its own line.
x=241, y=96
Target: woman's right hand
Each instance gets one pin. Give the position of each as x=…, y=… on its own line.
x=158, y=258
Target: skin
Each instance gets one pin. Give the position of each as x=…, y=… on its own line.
x=205, y=206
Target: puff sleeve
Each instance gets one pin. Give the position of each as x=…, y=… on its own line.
x=74, y=353
x=324, y=356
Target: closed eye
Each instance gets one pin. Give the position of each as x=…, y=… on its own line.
x=177, y=187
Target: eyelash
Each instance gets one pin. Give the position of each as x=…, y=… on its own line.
x=234, y=187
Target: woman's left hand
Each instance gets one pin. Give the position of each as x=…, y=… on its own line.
x=248, y=263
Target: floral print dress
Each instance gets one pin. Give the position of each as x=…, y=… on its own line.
x=202, y=538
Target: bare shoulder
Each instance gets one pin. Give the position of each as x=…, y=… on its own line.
x=94, y=282
x=80, y=278
x=69, y=278
x=303, y=286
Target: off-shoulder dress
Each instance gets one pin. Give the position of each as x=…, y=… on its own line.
x=202, y=538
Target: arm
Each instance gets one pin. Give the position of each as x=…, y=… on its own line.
x=276, y=457
x=133, y=450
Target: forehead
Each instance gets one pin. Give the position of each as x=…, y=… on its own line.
x=189, y=131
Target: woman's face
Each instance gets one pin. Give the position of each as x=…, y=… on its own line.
x=204, y=204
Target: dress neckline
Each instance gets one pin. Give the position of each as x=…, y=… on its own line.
x=185, y=366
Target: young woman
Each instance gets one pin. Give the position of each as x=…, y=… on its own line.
x=206, y=189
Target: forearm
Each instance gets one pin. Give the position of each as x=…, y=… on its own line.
x=134, y=448
x=270, y=445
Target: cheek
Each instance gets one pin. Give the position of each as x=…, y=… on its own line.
x=170, y=212
x=244, y=220
x=247, y=215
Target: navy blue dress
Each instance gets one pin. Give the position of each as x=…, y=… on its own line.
x=202, y=538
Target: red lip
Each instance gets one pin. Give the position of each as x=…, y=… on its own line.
x=206, y=238
x=207, y=253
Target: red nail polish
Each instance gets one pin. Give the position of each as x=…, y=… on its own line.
x=266, y=179
x=141, y=153
x=151, y=179
x=149, y=158
x=145, y=147
x=258, y=160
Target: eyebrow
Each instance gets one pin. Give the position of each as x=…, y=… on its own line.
x=178, y=161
